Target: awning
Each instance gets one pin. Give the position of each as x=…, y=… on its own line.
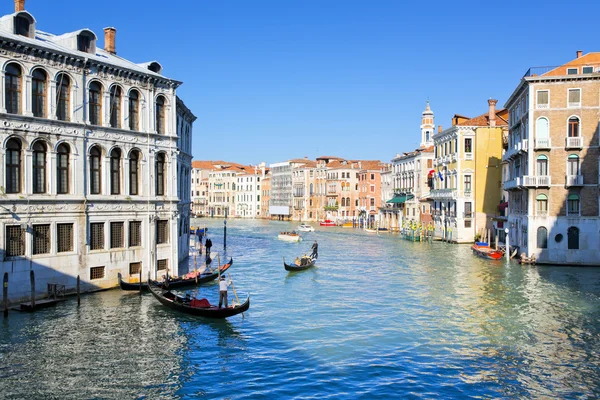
x=400, y=199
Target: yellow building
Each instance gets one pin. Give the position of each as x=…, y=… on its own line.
x=468, y=183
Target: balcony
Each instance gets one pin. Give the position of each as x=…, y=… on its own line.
x=443, y=194
x=536, y=181
x=542, y=143
x=574, y=180
x=574, y=142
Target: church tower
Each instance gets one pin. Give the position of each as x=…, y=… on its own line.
x=427, y=127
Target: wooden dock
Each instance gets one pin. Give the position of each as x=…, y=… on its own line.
x=39, y=304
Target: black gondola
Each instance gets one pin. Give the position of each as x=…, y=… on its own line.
x=177, y=282
x=200, y=308
x=294, y=267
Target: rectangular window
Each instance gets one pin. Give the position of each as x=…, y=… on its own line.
x=574, y=98
x=15, y=241
x=97, y=236
x=64, y=238
x=116, y=235
x=162, y=231
x=372, y=188
x=41, y=239
x=372, y=202
x=135, y=268
x=372, y=177
x=468, y=145
x=543, y=98
x=96, y=273
x=468, y=209
x=467, y=223
x=572, y=71
x=161, y=265
x=467, y=183
x=135, y=233
x=587, y=70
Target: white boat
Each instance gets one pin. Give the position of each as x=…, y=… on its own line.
x=289, y=236
x=305, y=228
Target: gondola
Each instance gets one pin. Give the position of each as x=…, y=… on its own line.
x=197, y=307
x=302, y=267
x=188, y=280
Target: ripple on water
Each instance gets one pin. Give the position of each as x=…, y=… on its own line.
x=377, y=318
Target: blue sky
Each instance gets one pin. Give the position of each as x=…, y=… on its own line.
x=274, y=80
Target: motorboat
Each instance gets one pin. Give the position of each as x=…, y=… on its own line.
x=305, y=228
x=289, y=236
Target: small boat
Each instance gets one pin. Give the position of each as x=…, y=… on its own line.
x=305, y=228
x=327, y=222
x=197, y=307
x=484, y=250
x=523, y=259
x=369, y=230
x=193, y=278
x=289, y=236
x=304, y=262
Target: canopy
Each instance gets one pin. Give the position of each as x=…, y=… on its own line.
x=400, y=198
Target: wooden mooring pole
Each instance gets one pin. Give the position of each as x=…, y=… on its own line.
x=32, y=280
x=5, y=294
x=78, y=291
x=141, y=279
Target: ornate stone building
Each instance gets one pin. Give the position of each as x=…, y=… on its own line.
x=95, y=161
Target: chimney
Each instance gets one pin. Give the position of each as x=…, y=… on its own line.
x=439, y=129
x=19, y=5
x=579, y=53
x=109, y=40
x=492, y=111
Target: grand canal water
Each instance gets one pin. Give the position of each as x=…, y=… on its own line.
x=378, y=318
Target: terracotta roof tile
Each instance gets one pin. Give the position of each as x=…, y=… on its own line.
x=483, y=119
x=588, y=60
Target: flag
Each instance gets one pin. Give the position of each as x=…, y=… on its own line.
x=440, y=176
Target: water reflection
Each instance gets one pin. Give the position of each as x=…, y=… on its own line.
x=377, y=317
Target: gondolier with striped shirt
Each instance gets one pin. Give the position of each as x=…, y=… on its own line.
x=223, y=285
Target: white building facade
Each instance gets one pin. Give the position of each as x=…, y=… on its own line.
x=280, y=202
x=248, y=204
x=95, y=158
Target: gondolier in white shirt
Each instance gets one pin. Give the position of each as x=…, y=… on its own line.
x=223, y=285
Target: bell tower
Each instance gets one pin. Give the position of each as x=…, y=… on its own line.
x=427, y=127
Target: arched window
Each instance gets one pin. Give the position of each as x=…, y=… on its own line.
x=134, y=159
x=160, y=174
x=541, y=129
x=63, y=95
x=573, y=238
x=134, y=110
x=95, y=170
x=62, y=169
x=160, y=114
x=39, y=167
x=542, y=165
x=38, y=93
x=542, y=204
x=115, y=171
x=12, y=88
x=573, y=204
x=13, y=166
x=542, y=238
x=573, y=127
x=311, y=189
x=573, y=165
x=115, y=107
x=347, y=201
x=343, y=202
x=95, y=103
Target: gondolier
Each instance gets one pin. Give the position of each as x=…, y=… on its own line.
x=315, y=251
x=223, y=286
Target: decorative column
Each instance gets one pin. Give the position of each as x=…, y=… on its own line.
x=26, y=96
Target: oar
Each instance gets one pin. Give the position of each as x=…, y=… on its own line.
x=234, y=292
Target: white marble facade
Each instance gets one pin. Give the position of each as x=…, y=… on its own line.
x=95, y=162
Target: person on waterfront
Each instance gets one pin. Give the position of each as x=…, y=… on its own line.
x=315, y=250
x=223, y=286
x=208, y=245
